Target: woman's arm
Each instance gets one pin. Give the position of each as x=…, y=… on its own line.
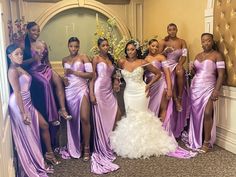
x=91, y=82
x=220, y=65
x=13, y=77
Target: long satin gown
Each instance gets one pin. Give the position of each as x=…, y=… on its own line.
x=178, y=119
x=26, y=137
x=156, y=93
x=104, y=114
x=76, y=91
x=140, y=134
x=42, y=92
x=200, y=94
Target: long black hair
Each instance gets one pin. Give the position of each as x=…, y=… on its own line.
x=138, y=49
x=27, y=49
x=11, y=48
x=214, y=46
x=99, y=42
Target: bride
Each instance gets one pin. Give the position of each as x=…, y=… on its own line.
x=140, y=133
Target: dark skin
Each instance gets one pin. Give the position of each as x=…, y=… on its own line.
x=14, y=72
x=174, y=43
x=40, y=47
x=85, y=105
x=167, y=94
x=102, y=57
x=132, y=62
x=209, y=53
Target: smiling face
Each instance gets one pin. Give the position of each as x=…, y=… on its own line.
x=131, y=51
x=74, y=48
x=207, y=42
x=34, y=32
x=153, y=47
x=16, y=56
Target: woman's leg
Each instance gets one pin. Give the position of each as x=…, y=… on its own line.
x=178, y=89
x=44, y=130
x=163, y=107
x=207, y=125
x=85, y=120
x=60, y=94
x=118, y=117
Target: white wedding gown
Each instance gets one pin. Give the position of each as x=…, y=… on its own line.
x=140, y=133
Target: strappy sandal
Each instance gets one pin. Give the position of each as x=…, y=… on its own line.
x=178, y=104
x=86, y=156
x=205, y=147
x=50, y=158
x=63, y=113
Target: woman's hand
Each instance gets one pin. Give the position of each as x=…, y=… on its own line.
x=116, y=85
x=168, y=50
x=93, y=99
x=68, y=71
x=191, y=66
x=26, y=118
x=168, y=94
x=65, y=81
x=215, y=95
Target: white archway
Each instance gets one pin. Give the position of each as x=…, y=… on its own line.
x=90, y=4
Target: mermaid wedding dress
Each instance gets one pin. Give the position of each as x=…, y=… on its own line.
x=140, y=134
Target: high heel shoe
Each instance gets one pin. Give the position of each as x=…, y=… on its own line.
x=205, y=147
x=86, y=156
x=63, y=113
x=178, y=104
x=50, y=158
x=56, y=123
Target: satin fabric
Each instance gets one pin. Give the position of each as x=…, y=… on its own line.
x=104, y=114
x=178, y=120
x=76, y=91
x=201, y=89
x=26, y=137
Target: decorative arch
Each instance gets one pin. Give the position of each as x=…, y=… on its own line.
x=90, y=4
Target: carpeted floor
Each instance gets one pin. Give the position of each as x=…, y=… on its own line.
x=216, y=163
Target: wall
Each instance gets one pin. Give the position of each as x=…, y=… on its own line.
x=6, y=154
x=188, y=15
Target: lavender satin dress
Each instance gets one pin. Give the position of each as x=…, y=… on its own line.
x=200, y=94
x=156, y=93
x=76, y=91
x=178, y=119
x=157, y=90
x=42, y=89
x=104, y=114
x=26, y=137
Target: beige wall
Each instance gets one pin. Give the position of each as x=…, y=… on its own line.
x=188, y=15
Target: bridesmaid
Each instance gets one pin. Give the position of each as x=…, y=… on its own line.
x=176, y=51
x=105, y=110
x=161, y=92
x=26, y=120
x=208, y=68
x=43, y=77
x=78, y=70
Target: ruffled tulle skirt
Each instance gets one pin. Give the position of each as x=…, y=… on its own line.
x=140, y=135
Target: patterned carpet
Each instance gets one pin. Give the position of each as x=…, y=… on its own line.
x=216, y=163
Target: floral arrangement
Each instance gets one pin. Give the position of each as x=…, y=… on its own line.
x=108, y=31
x=17, y=31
